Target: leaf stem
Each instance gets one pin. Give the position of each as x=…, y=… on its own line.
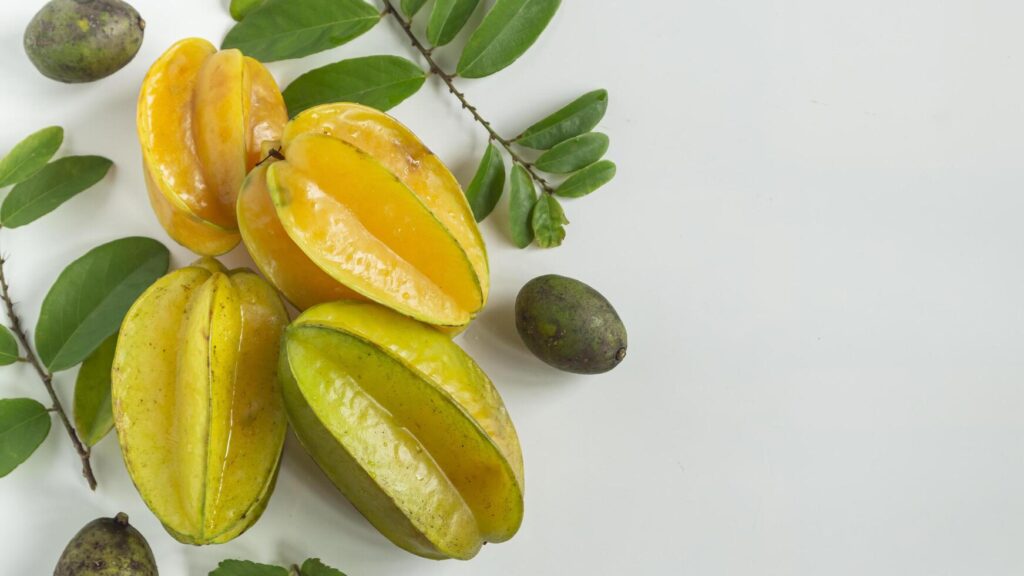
x=449, y=80
x=274, y=153
x=45, y=376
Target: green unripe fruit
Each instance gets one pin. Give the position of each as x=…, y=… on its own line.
x=83, y=40
x=107, y=547
x=570, y=325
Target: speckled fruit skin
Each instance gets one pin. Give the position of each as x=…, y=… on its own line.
x=570, y=325
x=406, y=425
x=107, y=547
x=83, y=40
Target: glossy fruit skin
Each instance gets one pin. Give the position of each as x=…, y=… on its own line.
x=359, y=207
x=569, y=325
x=196, y=399
x=107, y=547
x=406, y=426
x=204, y=117
x=279, y=259
x=83, y=40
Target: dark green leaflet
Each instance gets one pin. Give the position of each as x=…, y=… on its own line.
x=522, y=198
x=411, y=7
x=24, y=424
x=506, y=33
x=30, y=155
x=241, y=8
x=378, y=81
x=94, y=416
x=9, y=351
x=91, y=296
x=488, y=184
x=574, y=154
x=587, y=180
x=548, y=222
x=246, y=568
x=283, y=29
x=578, y=117
x=448, y=18
x=52, y=186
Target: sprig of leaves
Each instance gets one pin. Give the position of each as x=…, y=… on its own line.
x=311, y=567
x=564, y=142
x=565, y=138
x=570, y=148
x=81, y=311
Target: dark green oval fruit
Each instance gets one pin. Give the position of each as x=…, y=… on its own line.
x=83, y=40
x=570, y=325
x=107, y=547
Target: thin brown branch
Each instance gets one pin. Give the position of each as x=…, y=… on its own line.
x=274, y=153
x=45, y=376
x=449, y=81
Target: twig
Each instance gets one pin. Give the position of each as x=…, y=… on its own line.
x=45, y=375
x=274, y=153
x=449, y=80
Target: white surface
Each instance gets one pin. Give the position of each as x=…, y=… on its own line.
x=814, y=240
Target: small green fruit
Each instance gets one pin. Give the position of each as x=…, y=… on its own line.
x=83, y=40
x=570, y=325
x=107, y=547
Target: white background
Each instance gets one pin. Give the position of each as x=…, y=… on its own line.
x=814, y=239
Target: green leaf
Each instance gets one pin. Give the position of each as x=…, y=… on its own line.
x=94, y=416
x=488, y=184
x=523, y=196
x=314, y=567
x=411, y=7
x=30, y=155
x=283, y=29
x=24, y=424
x=91, y=296
x=246, y=568
x=9, y=351
x=549, y=222
x=448, y=18
x=587, y=180
x=573, y=154
x=47, y=189
x=506, y=33
x=578, y=117
x=378, y=81
x=241, y=8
